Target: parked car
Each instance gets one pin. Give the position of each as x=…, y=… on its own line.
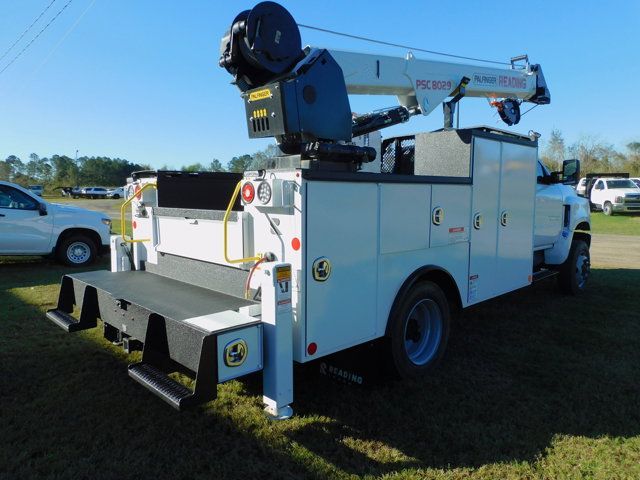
x=93, y=192
x=37, y=189
x=117, y=192
x=581, y=187
x=615, y=195
x=636, y=181
x=30, y=225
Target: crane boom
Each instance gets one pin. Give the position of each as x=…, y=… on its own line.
x=426, y=83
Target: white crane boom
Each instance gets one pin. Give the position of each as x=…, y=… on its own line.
x=427, y=83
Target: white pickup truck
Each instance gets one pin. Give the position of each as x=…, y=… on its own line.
x=613, y=195
x=30, y=225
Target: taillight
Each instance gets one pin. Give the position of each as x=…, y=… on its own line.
x=248, y=192
x=264, y=192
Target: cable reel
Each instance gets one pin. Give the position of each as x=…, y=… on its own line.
x=509, y=110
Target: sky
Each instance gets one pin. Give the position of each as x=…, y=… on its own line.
x=139, y=79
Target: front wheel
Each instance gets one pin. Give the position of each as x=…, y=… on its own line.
x=419, y=330
x=575, y=271
x=607, y=208
x=76, y=250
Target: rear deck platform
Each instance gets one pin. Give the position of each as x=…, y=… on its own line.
x=156, y=314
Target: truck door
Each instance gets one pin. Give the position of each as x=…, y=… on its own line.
x=22, y=228
x=548, y=223
x=598, y=193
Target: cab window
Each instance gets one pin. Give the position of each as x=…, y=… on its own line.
x=599, y=185
x=541, y=172
x=13, y=198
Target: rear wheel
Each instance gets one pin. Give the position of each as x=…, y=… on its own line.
x=76, y=250
x=607, y=208
x=419, y=330
x=575, y=271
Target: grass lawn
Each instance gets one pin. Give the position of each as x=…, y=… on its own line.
x=534, y=385
x=627, y=224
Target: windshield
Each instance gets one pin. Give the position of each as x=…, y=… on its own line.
x=620, y=184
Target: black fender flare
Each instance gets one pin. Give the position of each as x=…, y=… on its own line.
x=436, y=274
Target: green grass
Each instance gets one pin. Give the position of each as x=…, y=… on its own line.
x=534, y=385
x=620, y=224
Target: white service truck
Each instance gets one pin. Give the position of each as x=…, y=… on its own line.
x=30, y=225
x=345, y=238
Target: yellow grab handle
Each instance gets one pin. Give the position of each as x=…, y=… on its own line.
x=225, y=221
x=122, y=210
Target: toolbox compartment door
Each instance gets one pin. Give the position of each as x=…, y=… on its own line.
x=341, y=308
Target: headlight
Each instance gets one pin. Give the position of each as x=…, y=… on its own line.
x=264, y=192
x=619, y=199
x=106, y=221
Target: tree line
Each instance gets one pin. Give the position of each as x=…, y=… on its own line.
x=594, y=154
x=63, y=171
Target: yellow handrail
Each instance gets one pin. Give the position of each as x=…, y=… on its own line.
x=122, y=210
x=224, y=223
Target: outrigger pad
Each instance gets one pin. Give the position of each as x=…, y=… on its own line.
x=158, y=312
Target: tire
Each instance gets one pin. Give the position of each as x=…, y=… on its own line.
x=575, y=271
x=419, y=330
x=116, y=196
x=607, y=209
x=76, y=250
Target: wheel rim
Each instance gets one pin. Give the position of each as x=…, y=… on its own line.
x=78, y=252
x=423, y=331
x=583, y=269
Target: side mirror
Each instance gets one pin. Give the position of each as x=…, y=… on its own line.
x=571, y=172
x=42, y=209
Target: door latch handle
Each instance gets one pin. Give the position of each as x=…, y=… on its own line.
x=504, y=218
x=437, y=215
x=477, y=221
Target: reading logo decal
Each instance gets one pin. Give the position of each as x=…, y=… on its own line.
x=321, y=269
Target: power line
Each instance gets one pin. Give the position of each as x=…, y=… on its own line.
x=36, y=37
x=380, y=42
x=63, y=38
x=27, y=30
